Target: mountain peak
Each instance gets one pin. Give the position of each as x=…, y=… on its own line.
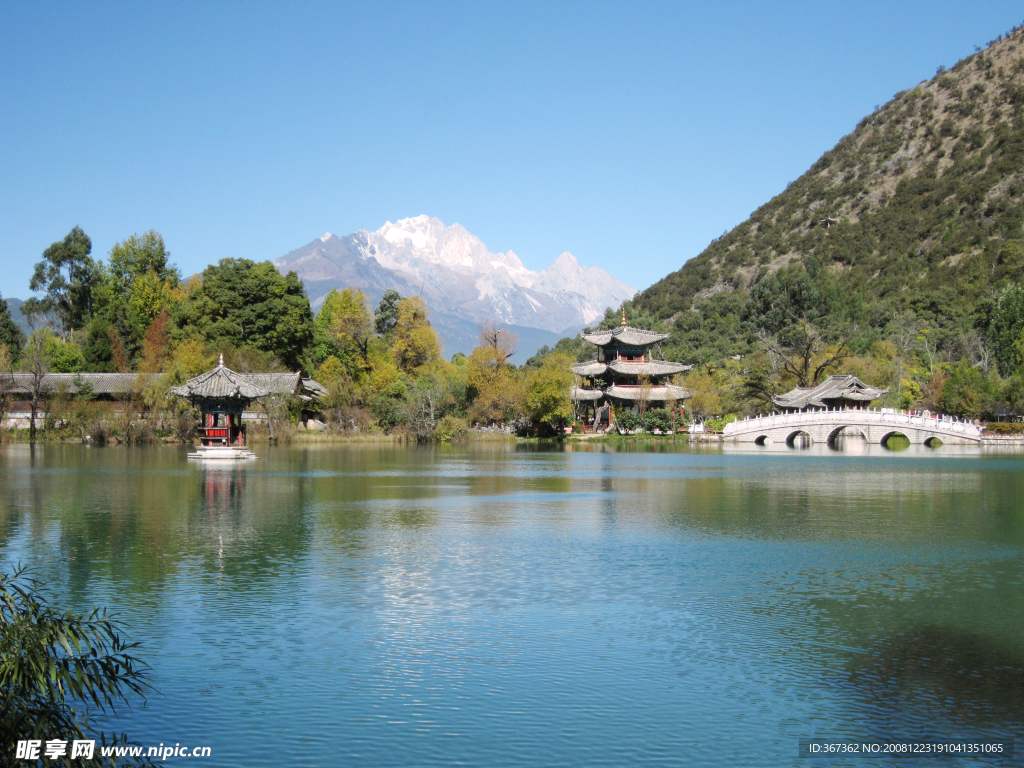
x=566, y=261
x=457, y=275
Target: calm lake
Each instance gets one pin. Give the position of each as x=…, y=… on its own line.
x=511, y=605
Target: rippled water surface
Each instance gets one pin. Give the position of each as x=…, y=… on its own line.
x=502, y=605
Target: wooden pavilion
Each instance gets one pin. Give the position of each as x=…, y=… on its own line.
x=221, y=395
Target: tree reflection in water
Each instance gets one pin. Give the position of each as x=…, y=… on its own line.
x=942, y=673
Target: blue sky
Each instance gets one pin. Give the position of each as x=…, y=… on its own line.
x=629, y=134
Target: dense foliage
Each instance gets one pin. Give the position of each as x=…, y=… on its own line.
x=239, y=303
x=383, y=369
x=58, y=671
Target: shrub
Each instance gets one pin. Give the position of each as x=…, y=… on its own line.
x=1003, y=428
x=627, y=421
x=658, y=419
x=450, y=428
x=717, y=425
x=354, y=419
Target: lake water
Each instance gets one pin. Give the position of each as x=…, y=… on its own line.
x=508, y=605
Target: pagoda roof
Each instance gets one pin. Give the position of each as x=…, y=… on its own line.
x=625, y=334
x=590, y=368
x=648, y=367
x=661, y=392
x=631, y=367
x=582, y=393
x=222, y=383
x=847, y=387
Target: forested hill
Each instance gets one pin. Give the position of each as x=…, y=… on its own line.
x=924, y=204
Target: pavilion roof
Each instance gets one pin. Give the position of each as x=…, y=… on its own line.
x=625, y=334
x=223, y=383
x=660, y=393
x=648, y=367
x=847, y=387
x=631, y=367
x=582, y=393
x=590, y=368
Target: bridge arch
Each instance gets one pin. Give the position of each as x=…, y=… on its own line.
x=835, y=433
x=893, y=433
x=792, y=437
x=762, y=440
x=933, y=442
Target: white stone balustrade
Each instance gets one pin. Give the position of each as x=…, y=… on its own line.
x=876, y=424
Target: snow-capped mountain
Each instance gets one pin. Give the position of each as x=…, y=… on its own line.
x=462, y=282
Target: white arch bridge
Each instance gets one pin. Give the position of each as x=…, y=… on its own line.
x=876, y=425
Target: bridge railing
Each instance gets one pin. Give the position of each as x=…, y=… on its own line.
x=854, y=417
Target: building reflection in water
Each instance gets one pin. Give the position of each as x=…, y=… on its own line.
x=223, y=485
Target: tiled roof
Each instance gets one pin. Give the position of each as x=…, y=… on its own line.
x=315, y=387
x=276, y=383
x=222, y=382
x=625, y=334
x=121, y=383
x=589, y=368
x=648, y=367
x=660, y=393
x=582, y=393
x=833, y=388
x=98, y=383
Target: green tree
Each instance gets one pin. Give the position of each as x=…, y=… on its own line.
x=137, y=256
x=137, y=285
x=343, y=329
x=7, y=387
x=386, y=316
x=11, y=336
x=966, y=392
x=547, y=392
x=98, y=351
x=243, y=303
x=1005, y=323
x=413, y=341
x=60, y=670
x=66, y=276
x=497, y=390
x=64, y=356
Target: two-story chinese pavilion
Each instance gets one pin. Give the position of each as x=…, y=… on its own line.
x=625, y=374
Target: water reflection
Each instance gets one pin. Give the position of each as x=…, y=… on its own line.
x=944, y=675
x=532, y=604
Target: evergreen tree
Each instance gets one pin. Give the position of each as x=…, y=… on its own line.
x=11, y=336
x=386, y=316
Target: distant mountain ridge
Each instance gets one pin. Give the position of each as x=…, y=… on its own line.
x=14, y=307
x=462, y=282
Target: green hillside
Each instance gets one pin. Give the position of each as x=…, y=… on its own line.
x=918, y=213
